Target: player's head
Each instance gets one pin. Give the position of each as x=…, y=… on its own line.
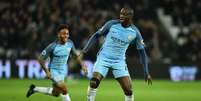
x=126, y=15
x=63, y=33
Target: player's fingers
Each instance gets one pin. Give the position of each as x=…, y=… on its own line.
x=47, y=77
x=86, y=71
x=80, y=54
x=149, y=82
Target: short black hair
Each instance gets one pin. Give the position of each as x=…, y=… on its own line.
x=129, y=9
x=62, y=26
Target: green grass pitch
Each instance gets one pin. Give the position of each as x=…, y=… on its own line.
x=109, y=90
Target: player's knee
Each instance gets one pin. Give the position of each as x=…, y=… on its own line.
x=128, y=92
x=61, y=87
x=56, y=92
x=64, y=91
x=94, y=83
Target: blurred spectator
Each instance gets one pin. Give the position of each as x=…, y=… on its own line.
x=27, y=26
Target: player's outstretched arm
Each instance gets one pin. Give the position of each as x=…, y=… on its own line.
x=90, y=43
x=144, y=61
x=102, y=31
x=84, y=68
x=44, y=55
x=42, y=64
x=79, y=55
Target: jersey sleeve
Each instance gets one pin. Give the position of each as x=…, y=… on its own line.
x=139, y=42
x=106, y=27
x=102, y=31
x=47, y=51
x=74, y=50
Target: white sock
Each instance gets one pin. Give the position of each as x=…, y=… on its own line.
x=44, y=90
x=129, y=98
x=65, y=97
x=91, y=93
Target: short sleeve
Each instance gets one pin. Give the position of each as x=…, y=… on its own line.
x=73, y=49
x=106, y=27
x=139, y=42
x=47, y=51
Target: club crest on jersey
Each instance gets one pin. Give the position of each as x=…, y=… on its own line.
x=43, y=52
x=130, y=37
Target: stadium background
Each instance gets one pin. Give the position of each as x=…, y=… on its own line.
x=171, y=31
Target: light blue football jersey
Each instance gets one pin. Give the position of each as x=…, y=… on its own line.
x=58, y=54
x=117, y=40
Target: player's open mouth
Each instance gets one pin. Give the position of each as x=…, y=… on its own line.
x=121, y=19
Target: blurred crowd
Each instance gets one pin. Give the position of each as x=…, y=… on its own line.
x=183, y=12
x=188, y=45
x=186, y=13
x=27, y=26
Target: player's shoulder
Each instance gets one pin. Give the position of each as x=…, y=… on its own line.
x=52, y=44
x=70, y=42
x=111, y=22
x=135, y=28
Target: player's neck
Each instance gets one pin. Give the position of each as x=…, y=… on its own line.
x=125, y=25
x=60, y=42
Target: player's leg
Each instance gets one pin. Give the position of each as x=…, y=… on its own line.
x=60, y=89
x=59, y=86
x=126, y=85
x=99, y=72
x=95, y=80
x=94, y=83
x=120, y=72
x=44, y=90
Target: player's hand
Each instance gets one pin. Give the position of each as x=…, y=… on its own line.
x=84, y=68
x=48, y=75
x=80, y=54
x=148, y=79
